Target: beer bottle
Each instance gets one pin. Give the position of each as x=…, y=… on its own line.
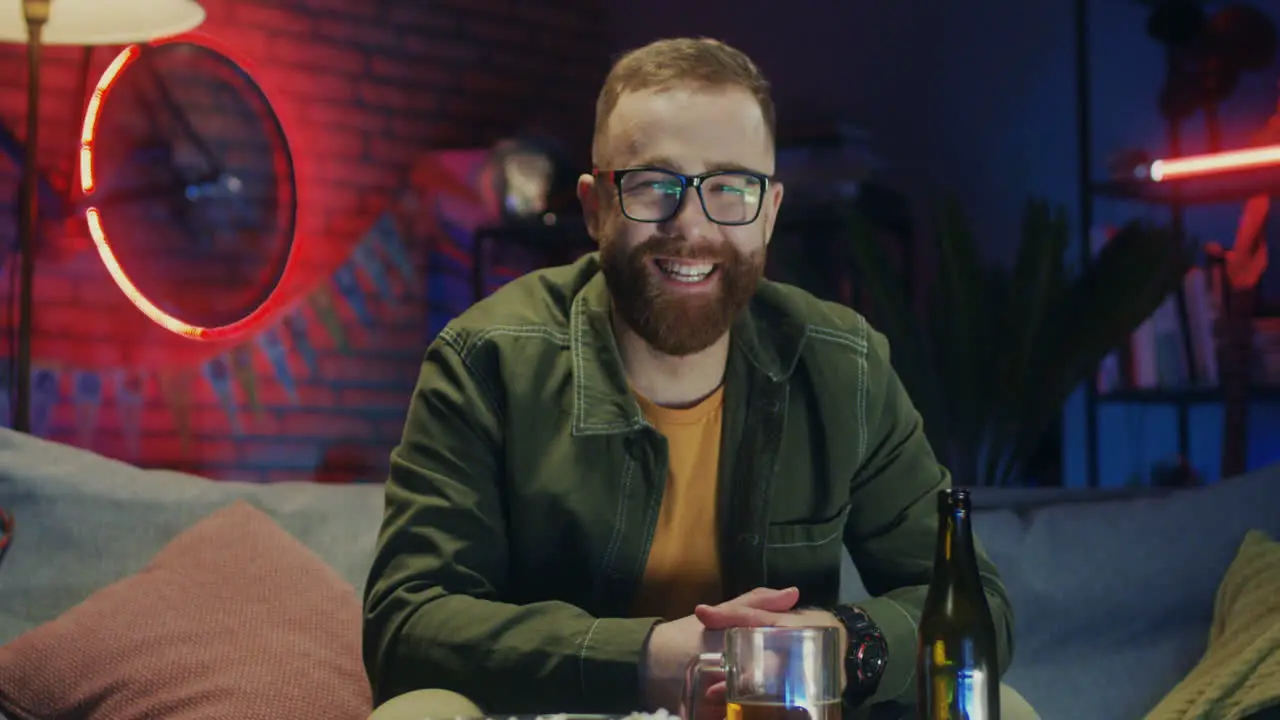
x=957, y=677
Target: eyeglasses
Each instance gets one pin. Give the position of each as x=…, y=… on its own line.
x=654, y=195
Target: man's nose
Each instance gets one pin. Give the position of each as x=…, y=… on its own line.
x=690, y=221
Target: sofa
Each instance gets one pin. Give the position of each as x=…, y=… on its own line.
x=1113, y=591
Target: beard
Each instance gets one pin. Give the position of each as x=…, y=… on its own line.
x=673, y=323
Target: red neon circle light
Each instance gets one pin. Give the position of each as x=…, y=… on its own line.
x=93, y=216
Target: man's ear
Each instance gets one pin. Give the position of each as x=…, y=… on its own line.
x=589, y=196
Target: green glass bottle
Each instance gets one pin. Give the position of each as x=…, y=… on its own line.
x=957, y=676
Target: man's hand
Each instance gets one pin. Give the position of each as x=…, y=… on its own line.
x=724, y=616
x=673, y=644
x=727, y=615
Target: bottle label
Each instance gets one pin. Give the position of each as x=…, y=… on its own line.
x=958, y=694
x=971, y=695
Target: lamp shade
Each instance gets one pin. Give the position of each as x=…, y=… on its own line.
x=103, y=22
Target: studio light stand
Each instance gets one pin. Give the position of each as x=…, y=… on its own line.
x=82, y=23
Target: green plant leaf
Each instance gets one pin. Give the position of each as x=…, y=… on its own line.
x=1127, y=281
x=1035, y=288
x=894, y=315
x=998, y=352
x=963, y=339
x=963, y=291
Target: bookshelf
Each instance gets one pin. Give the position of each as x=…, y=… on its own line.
x=1185, y=396
x=1235, y=188
x=1193, y=386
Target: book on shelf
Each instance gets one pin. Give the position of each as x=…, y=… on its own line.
x=1177, y=347
x=1156, y=356
x=1266, y=348
x=1174, y=348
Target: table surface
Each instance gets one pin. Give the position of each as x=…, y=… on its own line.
x=659, y=715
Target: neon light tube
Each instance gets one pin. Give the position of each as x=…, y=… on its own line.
x=1215, y=163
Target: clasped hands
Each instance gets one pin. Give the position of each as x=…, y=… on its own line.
x=673, y=644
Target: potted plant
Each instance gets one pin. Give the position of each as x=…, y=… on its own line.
x=994, y=353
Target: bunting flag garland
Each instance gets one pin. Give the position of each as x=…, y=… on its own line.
x=270, y=344
x=366, y=257
x=458, y=234
x=348, y=287
x=218, y=375
x=86, y=394
x=242, y=367
x=386, y=235
x=378, y=271
x=295, y=324
x=45, y=395
x=129, y=393
x=327, y=313
x=176, y=389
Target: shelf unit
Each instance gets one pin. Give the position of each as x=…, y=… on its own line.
x=1233, y=189
x=1174, y=196
x=1185, y=396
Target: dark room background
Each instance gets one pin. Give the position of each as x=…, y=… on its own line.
x=978, y=100
x=974, y=99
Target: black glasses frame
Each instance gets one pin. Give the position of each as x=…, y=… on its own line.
x=615, y=178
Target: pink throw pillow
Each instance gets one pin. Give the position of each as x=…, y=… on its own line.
x=233, y=619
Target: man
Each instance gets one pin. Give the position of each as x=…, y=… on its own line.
x=606, y=464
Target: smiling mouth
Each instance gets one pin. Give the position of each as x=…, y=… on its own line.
x=686, y=271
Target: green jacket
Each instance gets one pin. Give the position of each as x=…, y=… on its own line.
x=523, y=497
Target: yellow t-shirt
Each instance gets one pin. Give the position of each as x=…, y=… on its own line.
x=683, y=568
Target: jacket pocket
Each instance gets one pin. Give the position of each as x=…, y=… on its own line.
x=808, y=556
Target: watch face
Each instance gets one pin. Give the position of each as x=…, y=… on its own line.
x=868, y=654
x=873, y=658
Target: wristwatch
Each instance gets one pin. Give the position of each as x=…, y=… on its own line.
x=866, y=656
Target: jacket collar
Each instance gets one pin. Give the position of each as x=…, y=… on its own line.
x=603, y=403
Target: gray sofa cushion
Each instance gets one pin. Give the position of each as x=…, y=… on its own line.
x=1113, y=595
x=1113, y=598
x=1112, y=591
x=84, y=521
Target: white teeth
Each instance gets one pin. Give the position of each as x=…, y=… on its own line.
x=686, y=272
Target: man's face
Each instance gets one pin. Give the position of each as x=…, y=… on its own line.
x=680, y=283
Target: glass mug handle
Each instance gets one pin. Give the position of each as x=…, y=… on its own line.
x=698, y=668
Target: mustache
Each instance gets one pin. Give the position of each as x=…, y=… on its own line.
x=674, y=246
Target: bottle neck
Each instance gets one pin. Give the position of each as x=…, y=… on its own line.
x=955, y=558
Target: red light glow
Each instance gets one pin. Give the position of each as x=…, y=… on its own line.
x=1193, y=166
x=93, y=215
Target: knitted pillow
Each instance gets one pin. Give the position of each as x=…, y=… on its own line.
x=233, y=619
x=1239, y=675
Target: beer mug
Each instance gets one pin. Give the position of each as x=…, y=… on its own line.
x=771, y=673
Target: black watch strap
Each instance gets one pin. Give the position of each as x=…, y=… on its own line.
x=867, y=654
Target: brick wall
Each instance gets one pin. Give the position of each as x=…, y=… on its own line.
x=366, y=87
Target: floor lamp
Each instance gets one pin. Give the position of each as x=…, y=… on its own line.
x=80, y=23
